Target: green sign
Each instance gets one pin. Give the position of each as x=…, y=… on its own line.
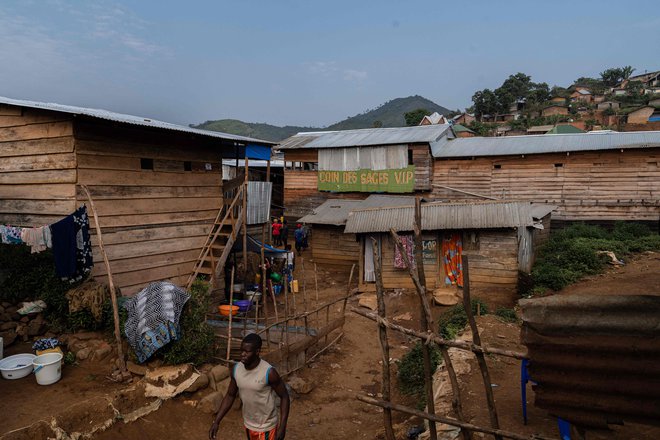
x=393, y=181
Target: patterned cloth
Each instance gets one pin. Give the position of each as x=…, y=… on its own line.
x=452, y=250
x=45, y=344
x=72, y=246
x=153, y=317
x=11, y=234
x=408, y=243
x=266, y=435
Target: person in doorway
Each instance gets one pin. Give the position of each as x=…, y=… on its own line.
x=260, y=388
x=305, y=243
x=299, y=235
x=277, y=227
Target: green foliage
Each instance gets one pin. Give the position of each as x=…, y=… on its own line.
x=571, y=253
x=197, y=337
x=414, y=117
x=506, y=315
x=455, y=319
x=410, y=373
x=482, y=129
x=69, y=358
x=613, y=76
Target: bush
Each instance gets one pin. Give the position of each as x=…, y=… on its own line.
x=455, y=319
x=197, y=337
x=506, y=315
x=410, y=373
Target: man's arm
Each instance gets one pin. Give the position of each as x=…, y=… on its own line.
x=227, y=402
x=277, y=384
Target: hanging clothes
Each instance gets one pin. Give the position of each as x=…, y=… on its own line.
x=369, y=270
x=408, y=243
x=452, y=250
x=72, y=247
x=11, y=234
x=153, y=317
x=39, y=239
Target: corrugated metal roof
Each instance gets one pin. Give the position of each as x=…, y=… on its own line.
x=595, y=358
x=300, y=140
x=540, y=210
x=128, y=119
x=368, y=136
x=258, y=202
x=539, y=144
x=541, y=128
x=435, y=216
x=335, y=211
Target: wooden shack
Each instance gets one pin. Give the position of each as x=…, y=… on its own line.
x=330, y=246
x=590, y=177
x=352, y=164
x=157, y=186
x=501, y=239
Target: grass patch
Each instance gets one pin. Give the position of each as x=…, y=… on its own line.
x=410, y=373
x=506, y=315
x=454, y=320
x=572, y=253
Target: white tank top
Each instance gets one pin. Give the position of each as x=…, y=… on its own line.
x=261, y=404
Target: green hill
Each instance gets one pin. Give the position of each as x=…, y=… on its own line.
x=389, y=114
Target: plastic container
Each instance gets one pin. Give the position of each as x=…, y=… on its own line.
x=253, y=296
x=238, y=288
x=277, y=289
x=17, y=366
x=48, y=368
x=243, y=304
x=227, y=309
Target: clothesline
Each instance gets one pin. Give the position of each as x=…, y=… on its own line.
x=68, y=238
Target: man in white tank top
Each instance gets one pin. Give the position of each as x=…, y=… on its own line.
x=262, y=391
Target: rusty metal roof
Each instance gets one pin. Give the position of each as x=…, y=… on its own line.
x=367, y=137
x=595, y=358
x=336, y=211
x=441, y=215
x=129, y=119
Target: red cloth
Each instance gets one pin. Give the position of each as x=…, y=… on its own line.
x=276, y=228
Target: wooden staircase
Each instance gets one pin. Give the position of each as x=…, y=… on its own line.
x=222, y=236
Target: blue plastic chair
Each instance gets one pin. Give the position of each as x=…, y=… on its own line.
x=564, y=426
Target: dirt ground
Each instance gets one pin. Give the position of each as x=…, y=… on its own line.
x=330, y=410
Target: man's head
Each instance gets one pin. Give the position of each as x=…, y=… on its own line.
x=250, y=349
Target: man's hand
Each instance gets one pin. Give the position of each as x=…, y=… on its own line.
x=214, y=430
x=281, y=433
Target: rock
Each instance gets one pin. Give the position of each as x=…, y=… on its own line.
x=8, y=326
x=5, y=317
x=5, y=304
x=24, y=319
x=403, y=317
x=102, y=351
x=300, y=386
x=220, y=373
x=167, y=382
x=201, y=383
x=21, y=330
x=83, y=354
x=211, y=403
x=11, y=309
x=76, y=345
x=85, y=336
x=37, y=326
x=335, y=366
x=368, y=300
x=138, y=370
x=316, y=420
x=8, y=337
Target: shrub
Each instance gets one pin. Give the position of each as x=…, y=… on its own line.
x=455, y=319
x=197, y=337
x=506, y=315
x=410, y=373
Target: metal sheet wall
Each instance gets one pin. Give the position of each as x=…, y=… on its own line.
x=365, y=158
x=258, y=202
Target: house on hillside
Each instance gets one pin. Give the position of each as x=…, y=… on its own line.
x=539, y=129
x=612, y=105
x=462, y=131
x=558, y=100
x=642, y=115
x=590, y=177
x=434, y=118
x=581, y=95
x=353, y=164
x=463, y=119
x=501, y=238
x=157, y=186
x=554, y=110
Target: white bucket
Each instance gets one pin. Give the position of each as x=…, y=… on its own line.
x=48, y=368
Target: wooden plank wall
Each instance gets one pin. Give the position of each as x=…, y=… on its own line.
x=37, y=166
x=608, y=185
x=331, y=247
x=394, y=278
x=154, y=222
x=421, y=155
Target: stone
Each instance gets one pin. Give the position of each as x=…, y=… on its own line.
x=220, y=373
x=37, y=326
x=84, y=336
x=5, y=304
x=316, y=420
x=299, y=385
x=211, y=403
x=102, y=351
x=75, y=345
x=167, y=382
x=24, y=319
x=8, y=326
x=5, y=317
x=83, y=354
x=368, y=300
x=8, y=337
x=201, y=383
x=11, y=309
x=138, y=370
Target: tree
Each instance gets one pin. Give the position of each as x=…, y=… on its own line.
x=635, y=88
x=377, y=124
x=614, y=75
x=485, y=103
x=414, y=117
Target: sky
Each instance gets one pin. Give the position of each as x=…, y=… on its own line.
x=306, y=62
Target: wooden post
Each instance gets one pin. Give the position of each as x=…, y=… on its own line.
x=272, y=295
x=231, y=303
x=286, y=296
x=476, y=340
x=245, y=194
x=316, y=283
x=113, y=293
x=382, y=335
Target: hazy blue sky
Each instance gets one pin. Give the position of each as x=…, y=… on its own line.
x=305, y=62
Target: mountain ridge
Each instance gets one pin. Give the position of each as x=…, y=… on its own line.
x=388, y=114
